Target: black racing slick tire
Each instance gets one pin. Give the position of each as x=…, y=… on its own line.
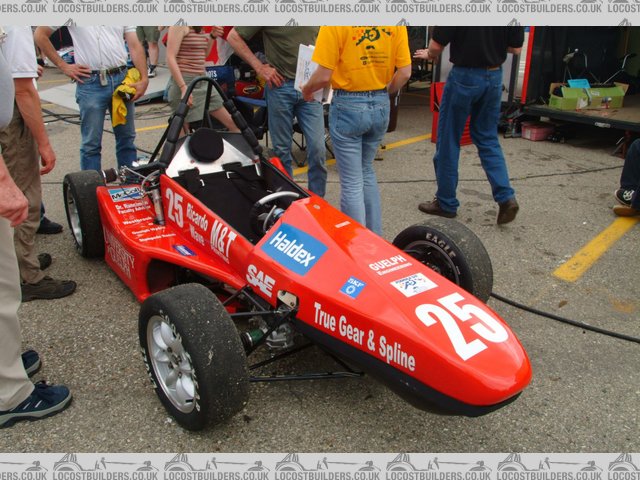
x=83, y=215
x=194, y=356
x=452, y=250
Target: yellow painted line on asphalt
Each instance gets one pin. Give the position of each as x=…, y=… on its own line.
x=305, y=169
x=153, y=127
x=407, y=141
x=389, y=146
x=576, y=266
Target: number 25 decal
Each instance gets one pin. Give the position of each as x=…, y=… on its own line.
x=487, y=327
x=175, y=207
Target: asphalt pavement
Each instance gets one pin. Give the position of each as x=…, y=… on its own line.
x=585, y=393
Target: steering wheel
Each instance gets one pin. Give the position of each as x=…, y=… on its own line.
x=263, y=216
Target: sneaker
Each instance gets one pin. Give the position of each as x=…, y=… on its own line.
x=47, y=289
x=507, y=211
x=152, y=71
x=44, y=259
x=623, y=196
x=44, y=401
x=31, y=362
x=433, y=208
x=626, y=211
x=47, y=227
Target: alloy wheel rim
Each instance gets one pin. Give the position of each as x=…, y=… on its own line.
x=171, y=363
x=74, y=220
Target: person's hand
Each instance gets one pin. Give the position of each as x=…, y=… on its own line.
x=217, y=31
x=47, y=159
x=183, y=90
x=307, y=94
x=270, y=75
x=140, y=87
x=422, y=53
x=40, y=70
x=76, y=72
x=13, y=204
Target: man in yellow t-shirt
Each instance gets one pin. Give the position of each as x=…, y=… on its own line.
x=364, y=65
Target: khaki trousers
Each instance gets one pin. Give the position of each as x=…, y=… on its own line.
x=15, y=386
x=21, y=156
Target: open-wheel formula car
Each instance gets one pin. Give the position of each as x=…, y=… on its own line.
x=228, y=254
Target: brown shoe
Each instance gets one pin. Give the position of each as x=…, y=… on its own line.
x=433, y=208
x=47, y=289
x=507, y=211
x=626, y=211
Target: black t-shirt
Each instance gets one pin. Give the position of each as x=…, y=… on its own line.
x=479, y=46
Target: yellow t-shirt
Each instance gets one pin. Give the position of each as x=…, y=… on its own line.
x=362, y=58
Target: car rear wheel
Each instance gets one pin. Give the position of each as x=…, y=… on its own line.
x=194, y=356
x=453, y=251
x=83, y=215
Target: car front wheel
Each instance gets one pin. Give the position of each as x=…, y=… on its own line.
x=194, y=356
x=452, y=250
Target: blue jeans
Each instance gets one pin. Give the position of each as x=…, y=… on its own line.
x=476, y=92
x=283, y=104
x=357, y=124
x=94, y=100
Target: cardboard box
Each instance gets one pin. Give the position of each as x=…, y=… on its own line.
x=587, y=98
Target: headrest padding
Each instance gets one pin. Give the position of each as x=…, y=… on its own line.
x=206, y=145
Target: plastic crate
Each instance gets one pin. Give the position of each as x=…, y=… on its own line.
x=536, y=131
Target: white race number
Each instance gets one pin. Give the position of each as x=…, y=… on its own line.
x=174, y=211
x=486, y=327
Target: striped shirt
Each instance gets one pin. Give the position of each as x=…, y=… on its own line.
x=193, y=52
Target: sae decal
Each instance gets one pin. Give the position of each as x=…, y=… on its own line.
x=124, y=194
x=413, y=284
x=353, y=287
x=294, y=249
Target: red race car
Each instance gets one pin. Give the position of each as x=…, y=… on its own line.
x=227, y=254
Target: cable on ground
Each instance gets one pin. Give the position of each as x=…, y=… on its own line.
x=575, y=323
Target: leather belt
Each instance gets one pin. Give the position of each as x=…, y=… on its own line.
x=362, y=93
x=111, y=71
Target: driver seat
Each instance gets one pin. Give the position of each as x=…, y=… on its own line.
x=227, y=188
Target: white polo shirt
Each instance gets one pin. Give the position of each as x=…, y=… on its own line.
x=20, y=52
x=6, y=93
x=99, y=46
